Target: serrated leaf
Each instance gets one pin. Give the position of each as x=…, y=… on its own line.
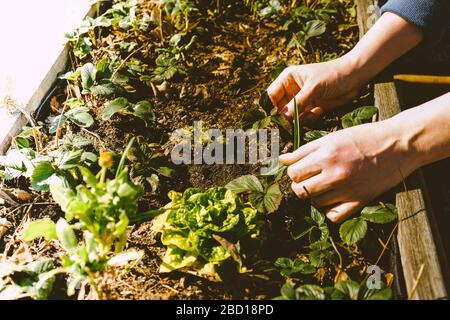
x=314, y=135
x=82, y=119
x=283, y=122
x=380, y=214
x=348, y=288
x=353, y=230
x=309, y=292
x=41, y=173
x=275, y=168
x=247, y=183
x=68, y=159
x=358, y=116
x=314, y=28
x=88, y=74
x=288, y=292
x=113, y=107
x=383, y=294
x=272, y=198
x=105, y=89
x=60, y=191
x=66, y=236
x=144, y=110
x=39, y=228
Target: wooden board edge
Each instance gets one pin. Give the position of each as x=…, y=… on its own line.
x=419, y=242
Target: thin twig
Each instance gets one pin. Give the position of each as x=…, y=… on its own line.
x=125, y=60
x=416, y=282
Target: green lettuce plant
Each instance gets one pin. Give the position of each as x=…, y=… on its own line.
x=206, y=230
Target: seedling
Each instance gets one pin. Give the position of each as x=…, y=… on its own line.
x=179, y=12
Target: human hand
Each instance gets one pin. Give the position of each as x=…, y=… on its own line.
x=317, y=87
x=344, y=170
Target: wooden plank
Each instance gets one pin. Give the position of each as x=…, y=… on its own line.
x=419, y=242
x=16, y=116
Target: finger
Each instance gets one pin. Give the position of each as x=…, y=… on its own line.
x=311, y=187
x=304, y=169
x=290, y=158
x=283, y=88
x=311, y=115
x=330, y=198
x=303, y=99
x=343, y=211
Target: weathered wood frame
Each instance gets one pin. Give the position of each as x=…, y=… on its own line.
x=422, y=255
x=13, y=124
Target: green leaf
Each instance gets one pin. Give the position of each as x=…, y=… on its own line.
x=105, y=89
x=275, y=168
x=39, y=228
x=282, y=121
x=314, y=135
x=81, y=117
x=272, y=198
x=41, y=173
x=353, y=230
x=309, y=292
x=383, y=294
x=380, y=214
x=349, y=288
x=61, y=191
x=66, y=236
x=247, y=183
x=165, y=171
x=144, y=110
x=113, y=107
x=250, y=117
x=358, y=116
x=314, y=28
x=22, y=142
x=262, y=124
x=317, y=217
x=88, y=74
x=68, y=159
x=288, y=292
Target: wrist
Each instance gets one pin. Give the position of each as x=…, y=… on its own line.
x=353, y=68
x=408, y=134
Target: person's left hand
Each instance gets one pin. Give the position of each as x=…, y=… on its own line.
x=346, y=169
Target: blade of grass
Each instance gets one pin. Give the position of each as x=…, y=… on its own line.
x=297, y=131
x=124, y=157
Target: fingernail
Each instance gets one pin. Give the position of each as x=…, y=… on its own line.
x=333, y=216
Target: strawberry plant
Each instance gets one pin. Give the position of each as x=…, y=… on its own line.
x=142, y=109
x=171, y=60
x=179, y=12
x=100, y=211
x=263, y=194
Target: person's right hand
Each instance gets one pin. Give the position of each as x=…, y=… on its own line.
x=317, y=87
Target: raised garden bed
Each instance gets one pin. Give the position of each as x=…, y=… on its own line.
x=85, y=184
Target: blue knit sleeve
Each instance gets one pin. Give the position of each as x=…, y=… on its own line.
x=432, y=16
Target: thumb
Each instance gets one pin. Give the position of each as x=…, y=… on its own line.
x=303, y=99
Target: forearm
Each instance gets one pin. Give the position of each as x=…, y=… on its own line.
x=425, y=131
x=390, y=38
